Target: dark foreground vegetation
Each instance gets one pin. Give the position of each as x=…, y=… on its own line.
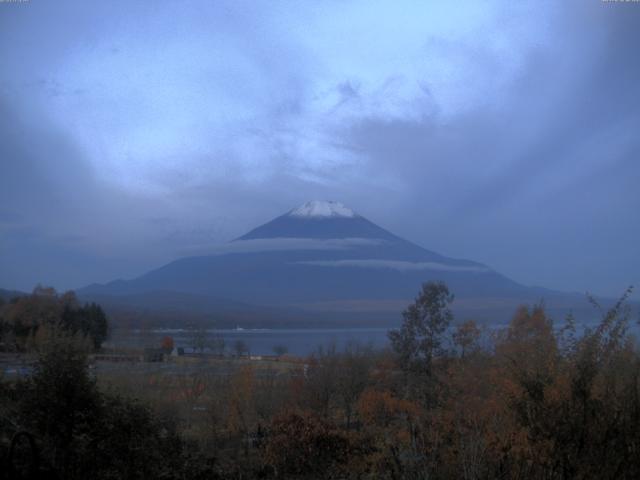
x=531, y=401
x=27, y=322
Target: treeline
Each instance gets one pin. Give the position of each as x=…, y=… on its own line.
x=531, y=401
x=27, y=321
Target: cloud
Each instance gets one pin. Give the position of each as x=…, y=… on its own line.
x=399, y=265
x=289, y=243
x=500, y=131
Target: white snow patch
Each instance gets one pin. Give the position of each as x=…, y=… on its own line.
x=322, y=209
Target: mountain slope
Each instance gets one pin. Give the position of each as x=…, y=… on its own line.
x=319, y=257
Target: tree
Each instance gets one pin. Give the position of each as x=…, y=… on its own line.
x=466, y=337
x=242, y=413
x=393, y=425
x=60, y=400
x=199, y=340
x=89, y=320
x=46, y=309
x=419, y=339
x=302, y=445
x=322, y=380
x=82, y=432
x=4, y=327
x=579, y=407
x=167, y=344
x=217, y=344
x=280, y=350
x=42, y=291
x=240, y=348
x=352, y=377
x=26, y=314
x=94, y=323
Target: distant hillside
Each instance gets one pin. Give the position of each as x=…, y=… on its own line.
x=7, y=295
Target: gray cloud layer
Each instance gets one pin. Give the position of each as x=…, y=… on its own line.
x=289, y=243
x=400, y=265
x=505, y=132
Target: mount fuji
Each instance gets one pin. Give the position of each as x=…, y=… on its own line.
x=320, y=263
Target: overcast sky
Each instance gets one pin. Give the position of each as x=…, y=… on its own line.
x=136, y=132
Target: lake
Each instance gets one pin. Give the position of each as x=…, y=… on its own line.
x=299, y=342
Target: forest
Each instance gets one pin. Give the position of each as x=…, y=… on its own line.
x=448, y=399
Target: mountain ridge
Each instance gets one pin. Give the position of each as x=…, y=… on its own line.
x=324, y=253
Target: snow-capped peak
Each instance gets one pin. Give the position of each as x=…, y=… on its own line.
x=322, y=209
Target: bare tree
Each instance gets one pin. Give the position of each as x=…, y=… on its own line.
x=466, y=337
x=420, y=337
